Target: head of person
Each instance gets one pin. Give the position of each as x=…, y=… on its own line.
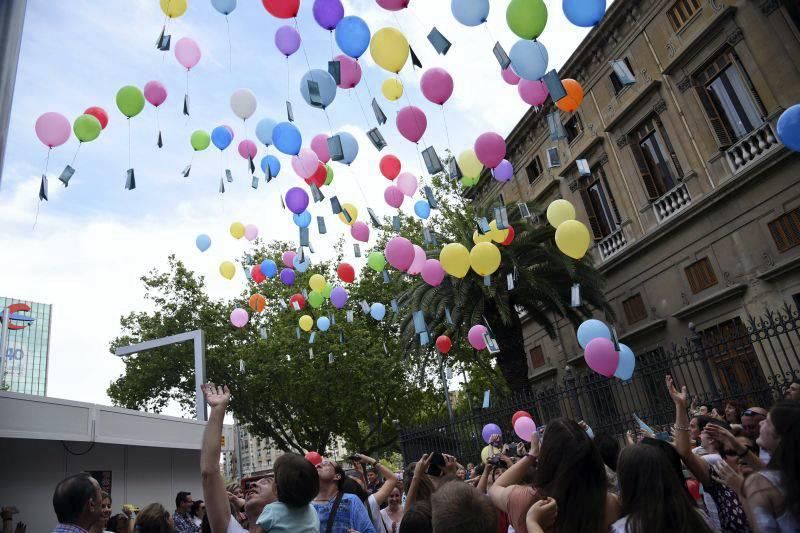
x=154, y=519
x=743, y=466
x=296, y=480
x=105, y=506
x=672, y=456
x=372, y=477
x=352, y=486
x=425, y=488
x=183, y=502
x=459, y=508
x=417, y=518
x=733, y=412
x=461, y=474
x=330, y=472
x=259, y=494
x=704, y=409
x=495, y=474
x=792, y=391
x=78, y=500
x=780, y=436
x=608, y=446
x=706, y=441
x=198, y=509
x=118, y=523
x=751, y=421
x=395, y=498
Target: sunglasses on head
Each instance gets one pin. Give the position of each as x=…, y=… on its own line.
x=750, y=412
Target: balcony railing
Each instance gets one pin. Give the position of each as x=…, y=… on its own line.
x=750, y=149
x=612, y=244
x=674, y=201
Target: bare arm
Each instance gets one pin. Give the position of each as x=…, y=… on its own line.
x=483, y=482
x=722, y=435
x=216, y=499
x=683, y=444
x=500, y=491
x=419, y=471
x=390, y=480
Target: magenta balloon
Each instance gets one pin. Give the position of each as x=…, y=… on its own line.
x=533, y=92
x=287, y=40
x=509, y=76
x=412, y=123
x=407, y=183
x=601, y=356
x=53, y=129
x=155, y=92
x=437, y=85
x=419, y=261
x=393, y=196
x=525, y=427
x=490, y=149
x=393, y=5
x=320, y=146
x=359, y=231
x=187, y=52
x=432, y=272
x=339, y=297
x=399, y=253
x=288, y=258
x=248, y=149
x=504, y=171
x=475, y=336
x=306, y=163
x=350, y=71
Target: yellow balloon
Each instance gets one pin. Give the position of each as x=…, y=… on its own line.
x=174, y=8
x=352, y=211
x=484, y=258
x=227, y=269
x=469, y=164
x=455, y=259
x=237, y=230
x=497, y=235
x=489, y=450
x=560, y=211
x=478, y=238
x=392, y=89
x=317, y=283
x=389, y=49
x=306, y=323
x=573, y=238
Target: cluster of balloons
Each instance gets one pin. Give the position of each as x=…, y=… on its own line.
x=601, y=355
x=53, y=129
x=572, y=236
x=456, y=260
x=239, y=230
x=501, y=236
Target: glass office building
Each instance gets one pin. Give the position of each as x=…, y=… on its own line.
x=28, y=346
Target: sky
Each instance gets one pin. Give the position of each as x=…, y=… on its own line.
x=85, y=250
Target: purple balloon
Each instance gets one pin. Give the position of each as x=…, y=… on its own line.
x=339, y=297
x=504, y=171
x=296, y=200
x=287, y=276
x=287, y=40
x=489, y=430
x=328, y=13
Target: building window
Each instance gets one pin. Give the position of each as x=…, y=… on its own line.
x=601, y=209
x=534, y=169
x=682, y=12
x=573, y=127
x=796, y=300
x=701, y=275
x=655, y=157
x=537, y=357
x=785, y=230
x=634, y=309
x=616, y=82
x=730, y=350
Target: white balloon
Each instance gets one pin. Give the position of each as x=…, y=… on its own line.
x=243, y=103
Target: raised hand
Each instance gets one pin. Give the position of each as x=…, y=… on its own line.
x=216, y=396
x=728, y=476
x=544, y=513
x=679, y=398
x=721, y=435
x=422, y=465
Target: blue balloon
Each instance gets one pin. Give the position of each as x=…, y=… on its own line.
x=529, y=59
x=789, y=128
x=584, y=13
x=349, y=147
x=592, y=329
x=224, y=6
x=287, y=138
x=273, y=163
x=221, y=137
x=269, y=268
x=264, y=130
x=303, y=219
x=352, y=36
x=323, y=323
x=470, y=12
x=627, y=362
x=301, y=266
x=377, y=311
x=203, y=242
x=423, y=209
x=326, y=84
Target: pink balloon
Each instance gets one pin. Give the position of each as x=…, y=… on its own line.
x=306, y=163
x=155, y=92
x=239, y=317
x=504, y=171
x=360, y=231
x=248, y=149
x=229, y=130
x=187, y=52
x=412, y=123
x=393, y=196
x=525, y=427
x=419, y=261
x=432, y=272
x=601, y=356
x=509, y=76
x=399, y=253
x=393, y=5
x=320, y=146
x=407, y=183
x=288, y=258
x=53, y=129
x=251, y=232
x=475, y=336
x=490, y=149
x=350, y=71
x=437, y=85
x=533, y=92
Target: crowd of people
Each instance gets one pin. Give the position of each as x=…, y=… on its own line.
x=727, y=469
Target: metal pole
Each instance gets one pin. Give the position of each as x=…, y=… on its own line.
x=238, y=449
x=12, y=18
x=4, y=332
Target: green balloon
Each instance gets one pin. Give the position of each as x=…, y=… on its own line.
x=469, y=182
x=315, y=299
x=326, y=292
x=329, y=175
x=87, y=128
x=130, y=101
x=527, y=18
x=200, y=140
x=376, y=261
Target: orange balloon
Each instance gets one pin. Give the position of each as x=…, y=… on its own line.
x=571, y=102
x=258, y=302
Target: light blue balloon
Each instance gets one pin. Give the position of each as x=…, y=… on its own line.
x=327, y=87
x=352, y=36
x=203, y=242
x=470, y=12
x=221, y=137
x=789, y=128
x=423, y=209
x=269, y=268
x=301, y=266
x=377, y=311
x=627, y=362
x=349, y=147
x=224, y=6
x=273, y=163
x=264, y=130
x=287, y=138
x=584, y=13
x=303, y=219
x=592, y=329
x=323, y=323
x=529, y=59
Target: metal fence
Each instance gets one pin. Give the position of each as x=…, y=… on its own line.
x=749, y=362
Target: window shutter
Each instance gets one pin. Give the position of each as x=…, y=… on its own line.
x=644, y=170
x=672, y=155
x=749, y=82
x=593, y=222
x=610, y=195
x=717, y=123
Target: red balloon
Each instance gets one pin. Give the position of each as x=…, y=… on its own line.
x=257, y=275
x=314, y=458
x=510, y=238
x=694, y=488
x=282, y=9
x=520, y=414
x=390, y=167
x=346, y=272
x=100, y=114
x=444, y=344
x=297, y=298
x=319, y=176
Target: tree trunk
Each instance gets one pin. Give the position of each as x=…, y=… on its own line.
x=512, y=359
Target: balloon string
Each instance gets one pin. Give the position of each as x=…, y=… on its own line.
x=230, y=47
x=366, y=120
x=39, y=202
x=76, y=153
x=129, y=142
x=288, y=78
x=333, y=53
x=446, y=130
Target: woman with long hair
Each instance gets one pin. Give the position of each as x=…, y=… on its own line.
x=197, y=512
x=154, y=519
x=105, y=506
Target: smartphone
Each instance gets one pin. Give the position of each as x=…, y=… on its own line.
x=437, y=464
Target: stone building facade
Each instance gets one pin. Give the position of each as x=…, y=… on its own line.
x=693, y=203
